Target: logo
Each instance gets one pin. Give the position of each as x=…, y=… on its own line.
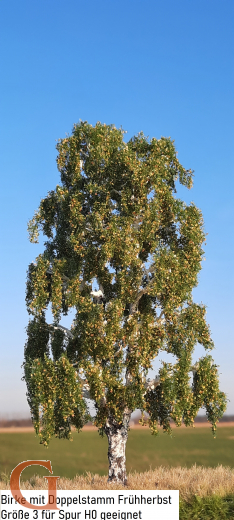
x=52, y=485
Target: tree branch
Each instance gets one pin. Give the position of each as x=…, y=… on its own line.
x=86, y=391
x=151, y=384
x=64, y=329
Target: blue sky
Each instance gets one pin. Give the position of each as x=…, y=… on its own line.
x=164, y=68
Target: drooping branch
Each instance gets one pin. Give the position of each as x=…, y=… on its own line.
x=64, y=329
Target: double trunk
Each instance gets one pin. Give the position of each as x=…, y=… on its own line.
x=117, y=435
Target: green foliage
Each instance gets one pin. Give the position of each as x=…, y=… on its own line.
x=212, y=507
x=55, y=397
x=115, y=220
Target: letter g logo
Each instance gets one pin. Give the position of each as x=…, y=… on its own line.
x=52, y=484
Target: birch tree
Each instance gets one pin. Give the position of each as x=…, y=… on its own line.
x=124, y=253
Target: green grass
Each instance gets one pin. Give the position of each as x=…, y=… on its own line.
x=88, y=451
x=208, y=508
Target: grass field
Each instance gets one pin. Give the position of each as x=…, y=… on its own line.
x=88, y=451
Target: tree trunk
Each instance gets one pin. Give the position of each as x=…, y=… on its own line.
x=117, y=435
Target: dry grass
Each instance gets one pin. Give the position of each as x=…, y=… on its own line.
x=195, y=480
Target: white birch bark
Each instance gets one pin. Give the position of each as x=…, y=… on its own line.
x=117, y=435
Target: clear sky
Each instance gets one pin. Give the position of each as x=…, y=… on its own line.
x=164, y=68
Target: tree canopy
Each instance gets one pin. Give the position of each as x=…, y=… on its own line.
x=124, y=252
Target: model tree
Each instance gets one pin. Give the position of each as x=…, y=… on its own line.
x=124, y=253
